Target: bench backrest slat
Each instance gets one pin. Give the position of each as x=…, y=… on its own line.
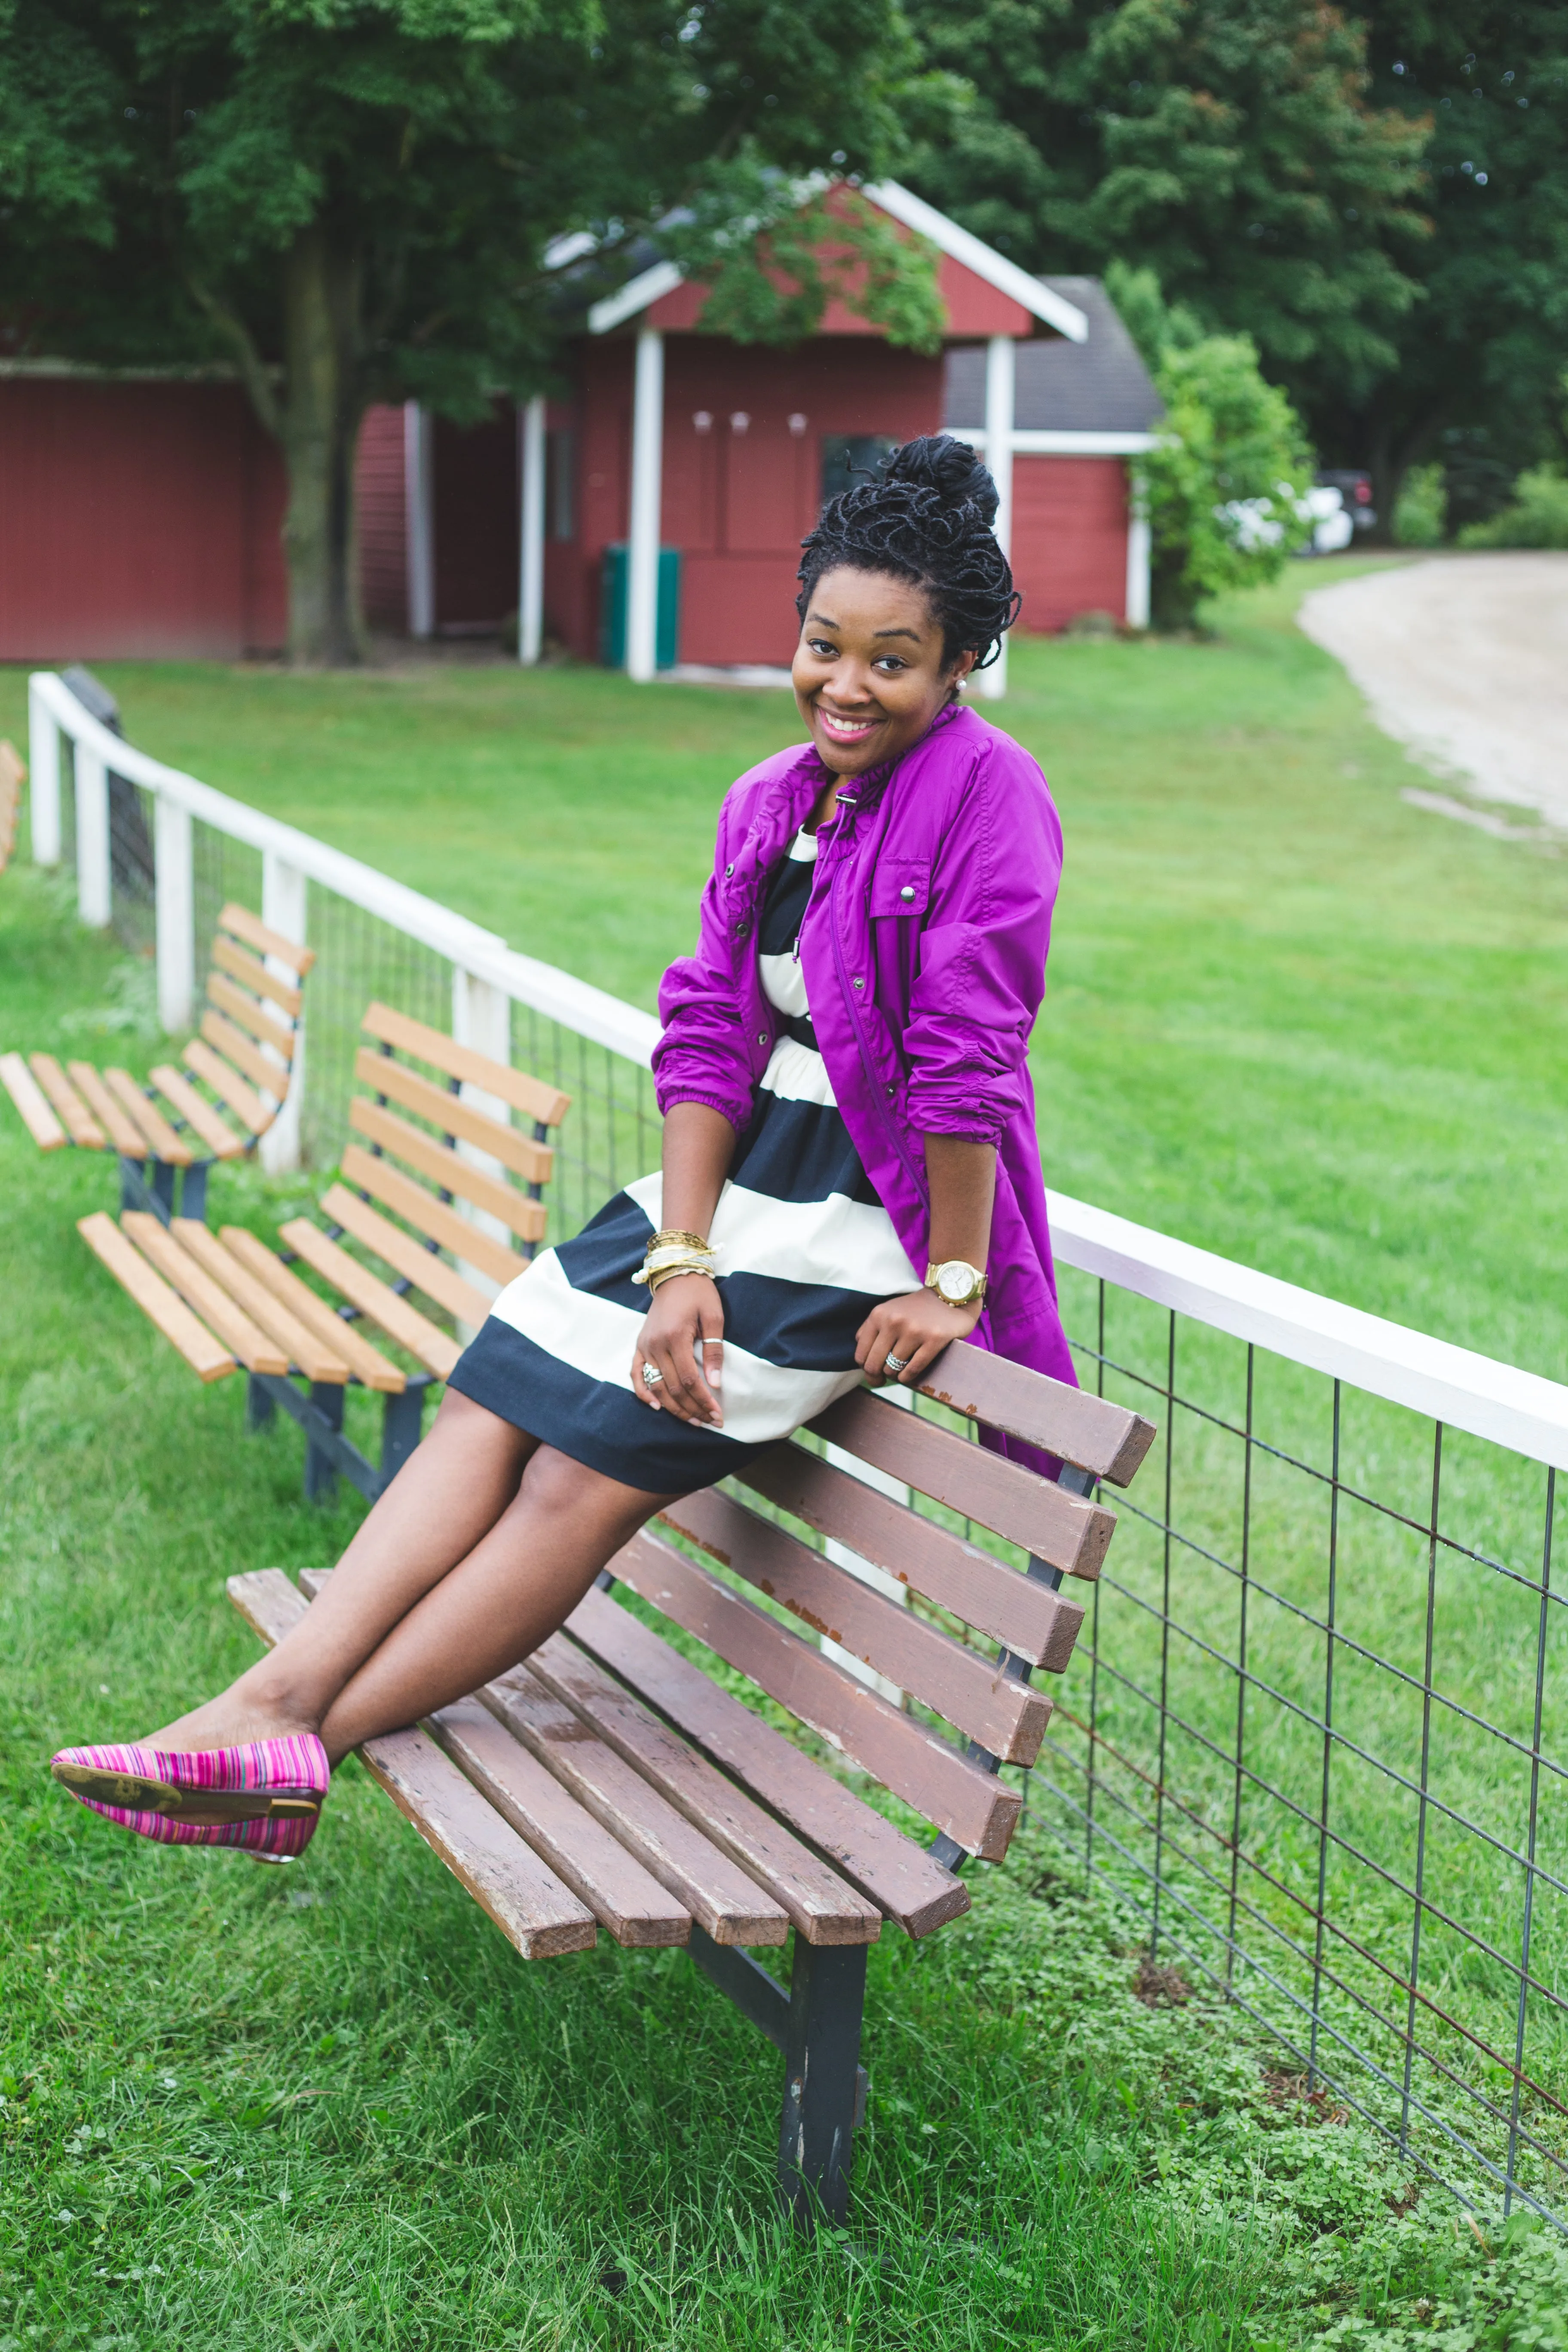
x=1087, y=1431
x=243, y=925
x=253, y=1017
x=433, y=1218
x=254, y=975
x=531, y=1161
x=12, y=776
x=534, y=1097
x=448, y=1168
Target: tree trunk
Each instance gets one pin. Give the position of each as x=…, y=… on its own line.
x=319, y=426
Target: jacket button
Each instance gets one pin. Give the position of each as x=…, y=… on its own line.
x=891, y=1091
x=728, y=871
x=762, y=1036
x=908, y=891
x=860, y=983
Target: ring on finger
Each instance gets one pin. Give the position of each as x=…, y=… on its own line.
x=651, y=1376
x=895, y=1363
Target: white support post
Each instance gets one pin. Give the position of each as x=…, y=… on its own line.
x=419, y=518
x=1001, y=372
x=481, y=1017
x=43, y=777
x=174, y=860
x=1139, y=550
x=94, y=899
x=530, y=566
x=284, y=896
x=646, y=504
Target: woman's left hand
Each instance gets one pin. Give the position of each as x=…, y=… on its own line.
x=915, y=1329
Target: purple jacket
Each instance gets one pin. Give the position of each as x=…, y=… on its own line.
x=923, y=951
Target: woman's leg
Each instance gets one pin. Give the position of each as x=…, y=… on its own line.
x=457, y=1491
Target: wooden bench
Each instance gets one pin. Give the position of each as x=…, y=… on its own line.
x=12, y=776
x=232, y=1084
x=421, y=1143
x=608, y=1781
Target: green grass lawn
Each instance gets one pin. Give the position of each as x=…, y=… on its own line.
x=1290, y=1018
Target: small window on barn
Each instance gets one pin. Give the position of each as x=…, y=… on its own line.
x=560, y=481
x=849, y=457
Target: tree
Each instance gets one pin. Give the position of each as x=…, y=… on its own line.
x=349, y=200
x=1227, y=145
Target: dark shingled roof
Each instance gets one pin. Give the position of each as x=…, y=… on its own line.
x=1098, y=386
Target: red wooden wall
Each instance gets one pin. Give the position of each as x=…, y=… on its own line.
x=137, y=519
x=1069, y=538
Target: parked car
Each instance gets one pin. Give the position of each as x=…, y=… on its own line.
x=1355, y=487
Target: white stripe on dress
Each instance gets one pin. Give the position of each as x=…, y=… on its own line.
x=838, y=1243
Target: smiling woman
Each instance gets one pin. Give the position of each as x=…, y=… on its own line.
x=850, y=1180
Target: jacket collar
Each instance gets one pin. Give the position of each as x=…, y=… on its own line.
x=863, y=793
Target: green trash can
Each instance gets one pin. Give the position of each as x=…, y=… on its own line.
x=612, y=607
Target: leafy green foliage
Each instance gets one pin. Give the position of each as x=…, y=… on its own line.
x=1536, y=516
x=773, y=264
x=1420, y=516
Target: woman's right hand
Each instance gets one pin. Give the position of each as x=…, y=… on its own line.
x=682, y=1316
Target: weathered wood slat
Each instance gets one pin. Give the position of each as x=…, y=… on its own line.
x=244, y=925
x=448, y=1169
x=953, y=1793
x=248, y=1015
x=890, y=1869
x=158, y=1136
x=626, y=1900
x=435, y=1349
x=79, y=1122
x=422, y=1267
x=299, y=1344
x=255, y=1349
x=253, y=974
x=32, y=1103
x=198, y=1113
x=1087, y=1431
x=823, y=1906
x=1006, y=1716
x=728, y=1904
x=1062, y=1529
x=532, y=1161
x=206, y=1357
x=388, y=1184
x=229, y=1085
x=338, y=1341
x=1033, y=1621
x=534, y=1097
x=122, y=1133
x=520, y=1892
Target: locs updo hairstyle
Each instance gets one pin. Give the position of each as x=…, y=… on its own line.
x=926, y=517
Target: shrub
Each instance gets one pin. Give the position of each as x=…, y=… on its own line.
x=1421, y=510
x=1536, y=517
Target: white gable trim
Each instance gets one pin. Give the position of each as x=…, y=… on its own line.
x=1031, y=441
x=1005, y=276
x=641, y=293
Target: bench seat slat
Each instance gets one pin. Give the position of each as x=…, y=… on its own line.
x=1063, y=1529
x=236, y=1047
x=229, y=1085
x=428, y=1272
x=531, y=1161
x=823, y=1907
x=254, y=976
x=32, y=1103
x=198, y=1113
x=970, y=1691
x=299, y=1344
x=448, y=1169
x=1033, y=1621
x=887, y=1867
x=626, y=1900
x=533, y=1910
x=728, y=1905
x=79, y=1122
x=434, y=1347
x=243, y=925
x=535, y=1098
x=954, y=1793
x=122, y=1133
x=388, y=1184
x=248, y=1015
x=206, y=1357
x=337, y=1341
x=158, y=1136
x=255, y=1349
x=1087, y=1431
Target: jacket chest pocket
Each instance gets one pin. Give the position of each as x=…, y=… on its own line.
x=900, y=886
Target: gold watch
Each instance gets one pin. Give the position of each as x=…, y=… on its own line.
x=957, y=1281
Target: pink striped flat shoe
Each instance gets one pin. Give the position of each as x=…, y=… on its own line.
x=265, y=1798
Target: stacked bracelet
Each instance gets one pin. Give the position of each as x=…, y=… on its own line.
x=671, y=1254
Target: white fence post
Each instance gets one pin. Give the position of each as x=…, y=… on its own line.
x=173, y=862
x=481, y=1017
x=94, y=897
x=1139, y=550
x=646, y=507
x=1001, y=378
x=284, y=892
x=43, y=776
x=531, y=569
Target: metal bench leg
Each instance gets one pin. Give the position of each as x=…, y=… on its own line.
x=822, y=2080
x=402, y=1418
x=194, y=1192
x=260, y=1408
x=320, y=1470
x=163, y=1187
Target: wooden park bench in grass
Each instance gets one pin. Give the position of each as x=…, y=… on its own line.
x=12, y=776
x=224, y=1299
x=610, y=1783
x=233, y=1082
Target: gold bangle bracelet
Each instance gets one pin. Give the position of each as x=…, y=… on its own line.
x=673, y=1273
x=688, y=1241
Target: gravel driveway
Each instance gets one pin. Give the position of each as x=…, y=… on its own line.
x=1464, y=659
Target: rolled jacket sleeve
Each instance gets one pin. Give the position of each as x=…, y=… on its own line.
x=703, y=1056
x=981, y=972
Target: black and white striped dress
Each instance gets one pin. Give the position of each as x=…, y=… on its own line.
x=805, y=1250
